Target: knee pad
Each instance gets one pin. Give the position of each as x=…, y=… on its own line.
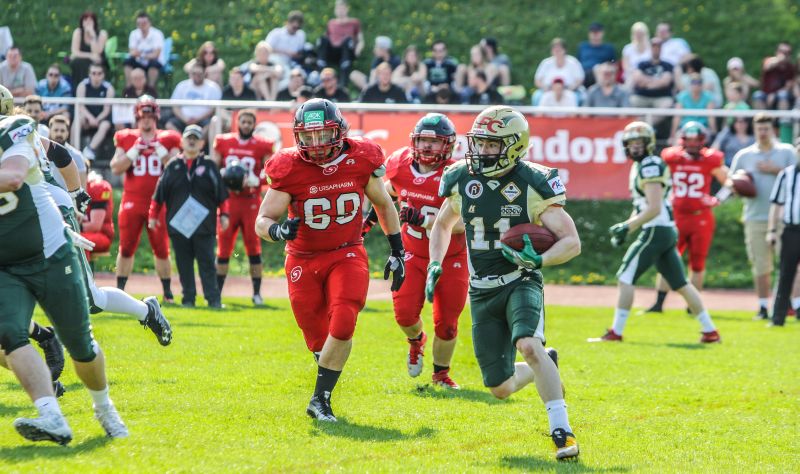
x=343, y=322
x=81, y=348
x=446, y=330
x=406, y=318
x=254, y=259
x=223, y=261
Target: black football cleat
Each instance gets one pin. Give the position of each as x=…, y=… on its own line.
x=156, y=321
x=320, y=409
x=59, y=388
x=762, y=314
x=566, y=444
x=553, y=354
x=53, y=354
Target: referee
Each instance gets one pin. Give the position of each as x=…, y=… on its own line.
x=192, y=190
x=785, y=199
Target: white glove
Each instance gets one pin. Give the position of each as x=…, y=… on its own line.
x=133, y=153
x=161, y=151
x=80, y=241
x=251, y=180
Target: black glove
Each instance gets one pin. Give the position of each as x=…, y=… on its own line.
x=369, y=222
x=395, y=265
x=81, y=199
x=287, y=230
x=412, y=215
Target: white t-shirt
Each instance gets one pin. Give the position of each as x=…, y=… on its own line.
x=186, y=89
x=146, y=45
x=572, y=72
x=568, y=99
x=634, y=57
x=280, y=40
x=673, y=50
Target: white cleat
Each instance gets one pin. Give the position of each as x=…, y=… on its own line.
x=416, y=353
x=51, y=427
x=257, y=300
x=110, y=421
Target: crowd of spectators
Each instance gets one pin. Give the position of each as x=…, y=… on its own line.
x=659, y=71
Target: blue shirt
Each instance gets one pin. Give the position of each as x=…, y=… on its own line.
x=687, y=102
x=590, y=55
x=63, y=89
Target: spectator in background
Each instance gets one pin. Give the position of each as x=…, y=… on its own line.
x=777, y=76
x=734, y=137
x=606, y=92
x=673, y=50
x=17, y=75
x=411, y=74
x=197, y=87
x=696, y=97
x=443, y=96
x=144, y=48
x=653, y=81
x=122, y=115
x=342, y=42
x=88, y=46
x=441, y=68
x=236, y=90
x=482, y=91
x=558, y=95
x=594, y=52
x=734, y=96
x=500, y=61
x=382, y=54
x=95, y=119
x=33, y=109
x=736, y=73
x=59, y=132
x=693, y=64
x=478, y=62
x=288, y=41
x=383, y=91
x=635, y=52
x=208, y=57
x=304, y=94
x=53, y=86
x=329, y=87
x=297, y=79
x=264, y=73
x=558, y=65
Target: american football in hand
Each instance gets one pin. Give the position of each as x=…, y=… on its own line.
x=743, y=184
x=541, y=238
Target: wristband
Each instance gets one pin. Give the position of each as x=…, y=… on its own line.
x=771, y=231
x=132, y=154
x=395, y=242
x=274, y=232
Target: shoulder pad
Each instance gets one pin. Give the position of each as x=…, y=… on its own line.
x=280, y=165
x=652, y=159
x=543, y=179
x=450, y=177
x=395, y=161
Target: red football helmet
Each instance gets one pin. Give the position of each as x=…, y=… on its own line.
x=146, y=105
x=319, y=131
x=434, y=126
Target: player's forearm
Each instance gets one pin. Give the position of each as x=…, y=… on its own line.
x=120, y=163
x=387, y=217
x=263, y=223
x=774, y=217
x=10, y=181
x=439, y=241
x=562, y=251
x=71, y=175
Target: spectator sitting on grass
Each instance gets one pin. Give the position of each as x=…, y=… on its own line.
x=696, y=97
x=54, y=85
x=483, y=93
x=692, y=63
x=500, y=61
x=329, y=87
x=594, y=52
x=144, y=48
x=95, y=119
x=777, y=77
x=17, y=75
x=342, y=43
x=441, y=68
x=410, y=75
x=734, y=96
x=197, y=87
x=383, y=91
x=558, y=95
x=288, y=41
x=236, y=90
x=207, y=56
x=606, y=92
x=87, y=47
x=635, y=52
x=736, y=73
x=264, y=74
x=478, y=62
x=560, y=65
x=673, y=50
x=297, y=79
x=383, y=54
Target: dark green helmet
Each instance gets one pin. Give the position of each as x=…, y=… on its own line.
x=436, y=126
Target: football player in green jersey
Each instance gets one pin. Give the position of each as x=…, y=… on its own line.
x=650, y=184
x=493, y=190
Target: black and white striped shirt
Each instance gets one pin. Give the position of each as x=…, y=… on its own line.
x=786, y=192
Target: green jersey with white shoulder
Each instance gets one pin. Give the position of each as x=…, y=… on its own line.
x=492, y=205
x=651, y=169
x=31, y=227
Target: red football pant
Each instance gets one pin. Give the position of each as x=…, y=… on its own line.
x=132, y=218
x=242, y=214
x=102, y=242
x=695, y=232
x=326, y=292
x=449, y=297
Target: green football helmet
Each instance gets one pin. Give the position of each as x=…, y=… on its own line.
x=503, y=125
x=6, y=101
x=639, y=131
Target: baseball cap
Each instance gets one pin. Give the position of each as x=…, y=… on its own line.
x=596, y=26
x=735, y=63
x=194, y=131
x=383, y=42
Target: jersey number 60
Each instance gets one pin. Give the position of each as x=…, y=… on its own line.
x=348, y=205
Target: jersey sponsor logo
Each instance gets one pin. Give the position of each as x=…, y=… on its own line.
x=419, y=180
x=20, y=132
x=510, y=192
x=330, y=187
x=650, y=172
x=457, y=265
x=471, y=209
x=295, y=273
x=510, y=210
x=556, y=185
x=474, y=189
x=350, y=161
x=411, y=194
x=350, y=255
x=329, y=170
x=493, y=184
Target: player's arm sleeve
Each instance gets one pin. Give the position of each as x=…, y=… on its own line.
x=276, y=169
x=778, y=194
x=543, y=193
x=654, y=170
x=59, y=155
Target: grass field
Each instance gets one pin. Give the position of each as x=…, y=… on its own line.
x=229, y=395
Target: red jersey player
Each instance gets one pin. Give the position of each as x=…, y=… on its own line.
x=692, y=166
x=250, y=151
x=322, y=182
x=412, y=176
x=97, y=224
x=141, y=154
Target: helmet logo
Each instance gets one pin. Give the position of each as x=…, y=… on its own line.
x=490, y=124
x=314, y=118
x=474, y=189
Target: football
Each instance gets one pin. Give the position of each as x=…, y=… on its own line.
x=743, y=184
x=541, y=238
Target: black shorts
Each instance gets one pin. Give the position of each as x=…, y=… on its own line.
x=147, y=64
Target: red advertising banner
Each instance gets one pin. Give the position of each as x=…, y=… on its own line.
x=587, y=150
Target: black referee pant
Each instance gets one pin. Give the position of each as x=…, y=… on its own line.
x=200, y=248
x=789, y=259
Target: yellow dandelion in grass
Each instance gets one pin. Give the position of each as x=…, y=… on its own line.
x=176, y=36
x=194, y=35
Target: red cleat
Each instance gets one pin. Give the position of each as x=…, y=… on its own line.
x=443, y=379
x=710, y=337
x=416, y=352
x=609, y=336
x=791, y=312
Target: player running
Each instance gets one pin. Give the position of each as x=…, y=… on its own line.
x=322, y=181
x=141, y=154
x=413, y=174
x=37, y=264
x=692, y=166
x=492, y=191
x=650, y=184
x=241, y=209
